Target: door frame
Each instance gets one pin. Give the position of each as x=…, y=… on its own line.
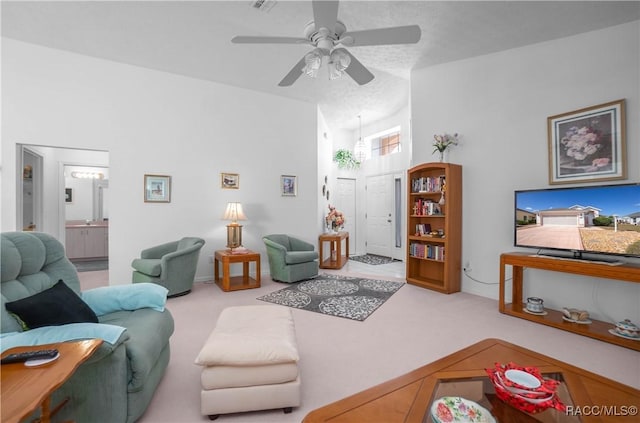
x=37, y=187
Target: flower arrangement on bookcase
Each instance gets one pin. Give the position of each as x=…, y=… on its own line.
x=434, y=226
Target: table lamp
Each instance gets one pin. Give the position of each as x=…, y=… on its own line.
x=234, y=230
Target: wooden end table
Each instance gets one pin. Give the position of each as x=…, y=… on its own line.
x=234, y=283
x=588, y=396
x=24, y=389
x=335, y=260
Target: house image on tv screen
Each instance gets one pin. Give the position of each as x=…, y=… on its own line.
x=576, y=216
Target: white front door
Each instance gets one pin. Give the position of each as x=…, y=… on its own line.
x=379, y=214
x=346, y=203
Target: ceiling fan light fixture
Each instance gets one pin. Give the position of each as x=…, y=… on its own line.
x=312, y=61
x=325, y=32
x=334, y=72
x=339, y=61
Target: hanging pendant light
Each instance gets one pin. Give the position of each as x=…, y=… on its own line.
x=360, y=149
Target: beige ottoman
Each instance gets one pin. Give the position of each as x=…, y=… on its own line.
x=250, y=362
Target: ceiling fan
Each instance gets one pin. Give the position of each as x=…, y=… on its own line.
x=326, y=33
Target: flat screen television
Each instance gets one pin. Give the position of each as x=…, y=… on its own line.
x=570, y=222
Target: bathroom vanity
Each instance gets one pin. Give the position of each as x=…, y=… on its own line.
x=87, y=240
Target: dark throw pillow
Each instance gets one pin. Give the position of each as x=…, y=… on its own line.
x=55, y=306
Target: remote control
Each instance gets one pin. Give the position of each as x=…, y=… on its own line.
x=29, y=355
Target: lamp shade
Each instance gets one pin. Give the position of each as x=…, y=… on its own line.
x=234, y=212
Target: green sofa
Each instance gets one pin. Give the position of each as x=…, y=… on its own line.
x=117, y=383
x=172, y=265
x=290, y=259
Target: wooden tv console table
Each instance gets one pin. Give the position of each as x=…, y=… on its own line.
x=599, y=330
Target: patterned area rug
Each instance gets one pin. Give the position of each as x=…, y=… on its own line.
x=372, y=259
x=341, y=296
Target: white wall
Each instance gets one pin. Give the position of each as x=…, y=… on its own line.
x=499, y=104
x=160, y=123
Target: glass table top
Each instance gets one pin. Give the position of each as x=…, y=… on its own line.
x=481, y=391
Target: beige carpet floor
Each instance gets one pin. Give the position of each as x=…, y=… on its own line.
x=340, y=357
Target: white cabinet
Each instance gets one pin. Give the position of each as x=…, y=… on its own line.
x=87, y=242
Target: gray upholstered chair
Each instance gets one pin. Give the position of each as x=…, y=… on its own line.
x=290, y=259
x=172, y=265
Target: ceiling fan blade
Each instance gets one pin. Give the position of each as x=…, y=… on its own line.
x=383, y=36
x=242, y=39
x=356, y=70
x=325, y=14
x=293, y=74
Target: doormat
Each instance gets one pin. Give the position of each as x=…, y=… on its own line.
x=335, y=295
x=373, y=259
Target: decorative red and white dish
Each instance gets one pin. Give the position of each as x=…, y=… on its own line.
x=524, y=388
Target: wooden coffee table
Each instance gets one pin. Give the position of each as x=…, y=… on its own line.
x=24, y=389
x=234, y=283
x=409, y=397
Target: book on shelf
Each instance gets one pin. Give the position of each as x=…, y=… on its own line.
x=419, y=250
x=423, y=228
x=428, y=184
x=426, y=207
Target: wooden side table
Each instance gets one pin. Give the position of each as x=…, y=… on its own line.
x=227, y=282
x=335, y=259
x=24, y=389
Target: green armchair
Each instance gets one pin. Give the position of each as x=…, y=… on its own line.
x=172, y=265
x=290, y=259
x=117, y=383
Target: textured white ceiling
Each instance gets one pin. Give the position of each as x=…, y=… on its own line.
x=192, y=38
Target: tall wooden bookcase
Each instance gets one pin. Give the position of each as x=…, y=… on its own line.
x=434, y=227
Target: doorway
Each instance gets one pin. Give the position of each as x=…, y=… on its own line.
x=51, y=198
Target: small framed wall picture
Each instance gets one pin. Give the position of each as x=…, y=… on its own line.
x=229, y=180
x=68, y=195
x=288, y=185
x=157, y=189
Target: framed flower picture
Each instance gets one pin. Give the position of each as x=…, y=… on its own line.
x=157, y=189
x=588, y=145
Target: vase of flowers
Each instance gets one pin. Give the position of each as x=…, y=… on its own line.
x=442, y=142
x=334, y=220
